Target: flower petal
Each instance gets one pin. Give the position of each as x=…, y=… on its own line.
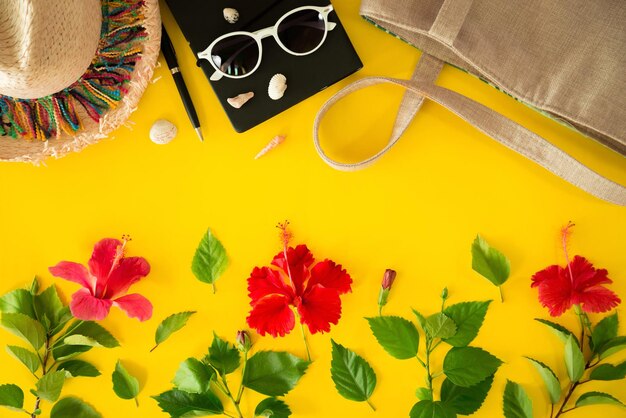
x=598, y=299
x=585, y=275
x=127, y=272
x=272, y=315
x=331, y=276
x=74, y=272
x=265, y=281
x=555, y=289
x=101, y=260
x=300, y=258
x=319, y=308
x=86, y=307
x=135, y=306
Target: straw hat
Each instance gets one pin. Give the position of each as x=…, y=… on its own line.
x=71, y=71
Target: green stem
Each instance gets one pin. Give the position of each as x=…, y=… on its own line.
x=44, y=363
x=420, y=360
x=370, y=404
x=230, y=396
x=501, y=295
x=380, y=310
x=429, y=380
x=306, y=345
x=243, y=373
x=214, y=288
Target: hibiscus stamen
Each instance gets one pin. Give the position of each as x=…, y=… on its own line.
x=285, y=237
x=566, y=231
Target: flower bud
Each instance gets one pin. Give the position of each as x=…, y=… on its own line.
x=243, y=341
x=444, y=293
x=385, y=287
x=388, y=279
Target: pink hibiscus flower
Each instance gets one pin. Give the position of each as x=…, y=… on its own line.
x=106, y=282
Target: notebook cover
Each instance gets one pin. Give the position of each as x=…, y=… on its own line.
x=202, y=21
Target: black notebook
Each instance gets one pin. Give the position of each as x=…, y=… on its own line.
x=202, y=21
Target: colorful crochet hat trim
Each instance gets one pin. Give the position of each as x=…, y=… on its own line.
x=101, y=87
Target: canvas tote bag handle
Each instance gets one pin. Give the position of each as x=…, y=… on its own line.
x=493, y=124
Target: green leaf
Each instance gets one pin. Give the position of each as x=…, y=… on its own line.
x=420, y=319
x=210, y=260
x=516, y=403
x=18, y=301
x=549, y=378
x=69, y=351
x=574, y=360
x=609, y=372
x=430, y=409
x=94, y=335
x=465, y=400
x=170, y=325
x=440, y=325
x=273, y=373
x=597, y=398
x=27, y=357
x=396, y=335
x=73, y=408
x=468, y=317
x=26, y=328
x=272, y=408
x=604, y=331
x=489, y=262
x=423, y=394
x=79, y=368
x=354, y=378
x=81, y=340
x=178, y=403
x=125, y=385
x=223, y=356
x=48, y=307
x=50, y=385
x=612, y=346
x=560, y=331
x=193, y=376
x=64, y=317
x=34, y=286
x=467, y=366
x=12, y=397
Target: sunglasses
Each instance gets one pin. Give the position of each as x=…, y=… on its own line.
x=299, y=32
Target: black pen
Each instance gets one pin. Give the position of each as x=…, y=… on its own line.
x=170, y=57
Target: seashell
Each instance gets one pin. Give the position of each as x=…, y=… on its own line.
x=279, y=139
x=231, y=15
x=240, y=100
x=277, y=87
x=162, y=131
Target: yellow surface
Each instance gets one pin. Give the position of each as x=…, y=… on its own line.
x=416, y=211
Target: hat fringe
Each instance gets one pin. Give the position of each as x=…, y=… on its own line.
x=101, y=87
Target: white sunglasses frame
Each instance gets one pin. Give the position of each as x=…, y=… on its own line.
x=272, y=31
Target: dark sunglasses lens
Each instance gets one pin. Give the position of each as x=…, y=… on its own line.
x=236, y=55
x=303, y=31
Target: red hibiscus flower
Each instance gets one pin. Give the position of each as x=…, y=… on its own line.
x=578, y=283
x=296, y=281
x=106, y=282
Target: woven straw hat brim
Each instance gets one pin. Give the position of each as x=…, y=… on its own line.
x=35, y=151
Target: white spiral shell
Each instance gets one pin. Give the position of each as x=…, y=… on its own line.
x=163, y=131
x=277, y=87
x=231, y=15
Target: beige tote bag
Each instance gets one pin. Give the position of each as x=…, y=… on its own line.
x=565, y=58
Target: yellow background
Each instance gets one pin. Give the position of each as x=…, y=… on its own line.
x=416, y=211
